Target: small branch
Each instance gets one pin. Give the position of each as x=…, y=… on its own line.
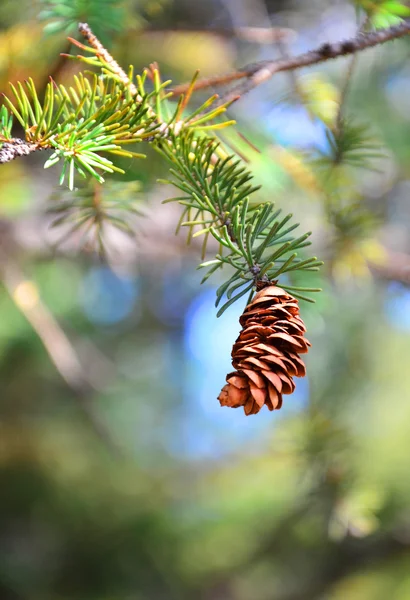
x=347, y=82
x=110, y=64
x=215, y=81
x=15, y=148
x=344, y=93
x=294, y=80
x=258, y=73
x=95, y=43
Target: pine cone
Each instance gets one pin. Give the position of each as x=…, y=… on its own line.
x=265, y=355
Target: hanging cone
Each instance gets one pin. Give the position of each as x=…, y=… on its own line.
x=265, y=355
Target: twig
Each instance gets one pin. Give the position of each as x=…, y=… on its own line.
x=347, y=81
x=118, y=71
x=15, y=148
x=95, y=43
x=344, y=93
x=258, y=73
x=27, y=300
x=217, y=80
x=294, y=80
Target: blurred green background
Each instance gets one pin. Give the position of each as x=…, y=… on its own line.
x=128, y=481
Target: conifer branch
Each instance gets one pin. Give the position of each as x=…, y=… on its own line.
x=258, y=73
x=218, y=198
x=101, y=114
x=347, y=80
x=106, y=57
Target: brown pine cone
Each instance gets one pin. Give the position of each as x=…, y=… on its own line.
x=265, y=355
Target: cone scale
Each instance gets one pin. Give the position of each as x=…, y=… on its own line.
x=266, y=354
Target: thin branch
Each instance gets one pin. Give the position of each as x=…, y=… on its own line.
x=27, y=300
x=217, y=80
x=15, y=148
x=112, y=65
x=95, y=43
x=258, y=73
x=294, y=79
x=347, y=82
x=344, y=93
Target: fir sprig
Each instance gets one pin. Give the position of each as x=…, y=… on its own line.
x=87, y=125
x=63, y=15
x=351, y=144
x=91, y=209
x=219, y=201
x=6, y=124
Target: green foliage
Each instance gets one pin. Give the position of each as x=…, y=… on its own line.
x=103, y=16
x=352, y=224
x=80, y=123
x=6, y=124
x=99, y=115
x=383, y=13
x=89, y=124
x=89, y=210
x=252, y=240
x=351, y=144
x=352, y=147
x=352, y=150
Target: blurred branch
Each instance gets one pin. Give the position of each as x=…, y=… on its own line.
x=258, y=73
x=345, y=91
x=25, y=295
x=395, y=267
x=293, y=78
x=347, y=81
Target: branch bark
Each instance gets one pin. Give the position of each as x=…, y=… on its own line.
x=260, y=72
x=15, y=148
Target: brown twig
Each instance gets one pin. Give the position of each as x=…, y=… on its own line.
x=15, y=148
x=258, y=73
x=217, y=80
x=95, y=43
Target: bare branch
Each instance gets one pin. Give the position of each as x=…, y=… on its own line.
x=14, y=148
x=258, y=73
